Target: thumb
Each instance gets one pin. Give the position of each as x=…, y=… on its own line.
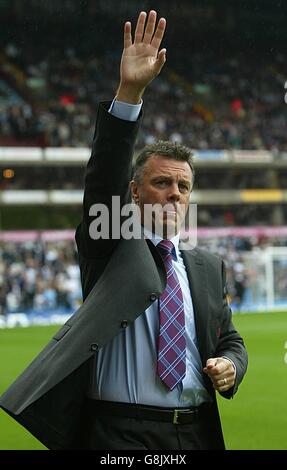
x=211, y=362
x=161, y=59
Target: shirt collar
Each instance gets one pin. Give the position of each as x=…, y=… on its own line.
x=156, y=239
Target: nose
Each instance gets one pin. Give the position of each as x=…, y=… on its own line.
x=174, y=193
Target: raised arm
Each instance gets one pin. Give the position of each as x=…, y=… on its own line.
x=109, y=169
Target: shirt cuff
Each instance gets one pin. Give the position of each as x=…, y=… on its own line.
x=126, y=111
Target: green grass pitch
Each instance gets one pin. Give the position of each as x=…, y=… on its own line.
x=256, y=418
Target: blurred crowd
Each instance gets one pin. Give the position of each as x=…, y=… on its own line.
x=246, y=269
x=39, y=277
x=201, y=99
x=45, y=277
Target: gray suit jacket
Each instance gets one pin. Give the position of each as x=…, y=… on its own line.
x=49, y=397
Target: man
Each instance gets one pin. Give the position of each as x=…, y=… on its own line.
x=137, y=366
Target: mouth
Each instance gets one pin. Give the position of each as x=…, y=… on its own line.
x=170, y=209
x=170, y=215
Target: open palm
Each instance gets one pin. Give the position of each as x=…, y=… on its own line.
x=141, y=59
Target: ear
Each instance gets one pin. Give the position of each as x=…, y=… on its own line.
x=134, y=191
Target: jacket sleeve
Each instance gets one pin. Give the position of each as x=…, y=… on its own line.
x=231, y=344
x=107, y=176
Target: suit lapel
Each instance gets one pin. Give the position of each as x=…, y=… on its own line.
x=197, y=276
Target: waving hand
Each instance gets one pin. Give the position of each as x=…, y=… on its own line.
x=141, y=59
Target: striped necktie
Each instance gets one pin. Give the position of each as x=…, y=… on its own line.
x=172, y=343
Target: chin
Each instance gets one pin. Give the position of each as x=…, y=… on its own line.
x=170, y=231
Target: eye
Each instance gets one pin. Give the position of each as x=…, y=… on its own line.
x=161, y=183
x=184, y=188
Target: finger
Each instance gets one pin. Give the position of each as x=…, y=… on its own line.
x=223, y=379
x=223, y=385
x=222, y=388
x=225, y=367
x=216, y=369
x=140, y=27
x=161, y=60
x=210, y=363
x=227, y=373
x=218, y=384
x=127, y=35
x=150, y=27
x=210, y=372
x=218, y=376
x=158, y=35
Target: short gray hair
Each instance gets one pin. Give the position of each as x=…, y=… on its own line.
x=165, y=149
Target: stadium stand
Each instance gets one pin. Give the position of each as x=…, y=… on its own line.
x=227, y=103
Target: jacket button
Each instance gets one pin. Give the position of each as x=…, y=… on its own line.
x=124, y=323
x=94, y=347
x=153, y=297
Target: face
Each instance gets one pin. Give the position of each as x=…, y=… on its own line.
x=166, y=185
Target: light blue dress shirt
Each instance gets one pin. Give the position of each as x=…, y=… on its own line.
x=125, y=368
